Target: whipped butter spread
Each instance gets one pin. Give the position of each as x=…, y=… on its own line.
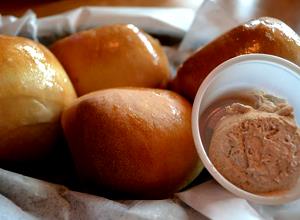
x=257, y=147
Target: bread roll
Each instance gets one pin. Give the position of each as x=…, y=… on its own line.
x=112, y=56
x=34, y=89
x=263, y=35
x=135, y=142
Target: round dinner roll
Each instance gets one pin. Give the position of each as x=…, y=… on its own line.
x=34, y=89
x=133, y=142
x=264, y=35
x=112, y=56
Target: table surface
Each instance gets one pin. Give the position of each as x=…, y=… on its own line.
x=286, y=10
x=48, y=7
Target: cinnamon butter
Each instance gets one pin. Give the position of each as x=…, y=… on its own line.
x=256, y=144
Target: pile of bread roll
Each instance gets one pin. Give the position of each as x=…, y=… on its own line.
x=126, y=132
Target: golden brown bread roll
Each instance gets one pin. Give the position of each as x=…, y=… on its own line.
x=112, y=56
x=263, y=35
x=34, y=89
x=133, y=141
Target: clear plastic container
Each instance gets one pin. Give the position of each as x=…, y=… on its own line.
x=270, y=74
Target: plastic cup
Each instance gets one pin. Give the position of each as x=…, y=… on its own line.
x=270, y=74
